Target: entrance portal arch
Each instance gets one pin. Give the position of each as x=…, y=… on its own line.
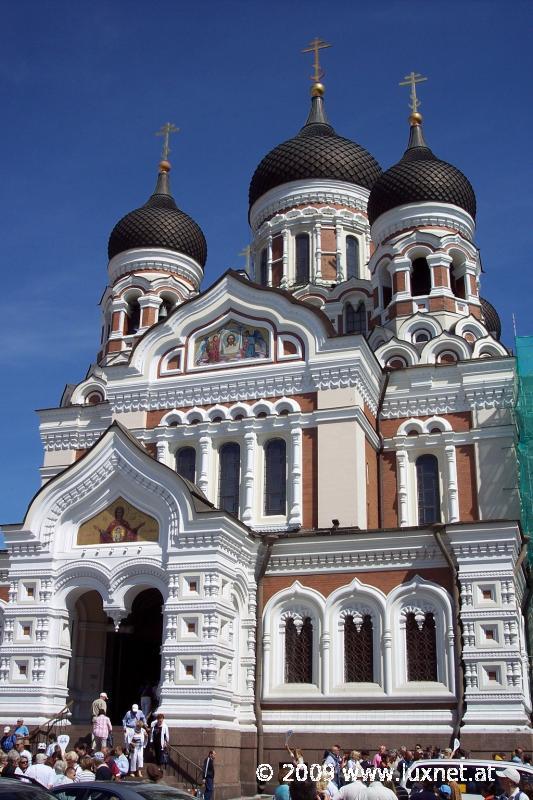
x=119, y=663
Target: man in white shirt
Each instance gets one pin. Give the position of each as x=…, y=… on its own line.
x=21, y=750
x=510, y=779
x=41, y=772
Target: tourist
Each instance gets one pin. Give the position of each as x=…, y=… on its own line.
x=81, y=749
x=72, y=761
x=102, y=770
x=22, y=750
x=99, y=703
x=517, y=756
x=121, y=760
x=109, y=759
x=354, y=790
x=131, y=717
x=12, y=767
x=303, y=790
x=70, y=773
x=297, y=756
x=52, y=741
x=376, y=761
x=333, y=760
x=41, y=772
x=326, y=788
x=510, y=780
x=137, y=745
x=353, y=763
x=59, y=772
x=102, y=730
x=282, y=791
x=21, y=729
x=456, y=790
x=86, y=772
x=378, y=791
x=159, y=738
x=208, y=775
x=154, y=774
x=7, y=742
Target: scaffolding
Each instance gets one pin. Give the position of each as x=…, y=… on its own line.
x=524, y=419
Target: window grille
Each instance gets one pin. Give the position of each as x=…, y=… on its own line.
x=276, y=477
x=358, y=651
x=186, y=463
x=299, y=652
x=427, y=481
x=421, y=643
x=229, y=481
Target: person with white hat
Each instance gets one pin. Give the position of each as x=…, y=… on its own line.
x=100, y=702
x=7, y=742
x=131, y=717
x=510, y=780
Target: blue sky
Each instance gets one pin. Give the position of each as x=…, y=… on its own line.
x=84, y=86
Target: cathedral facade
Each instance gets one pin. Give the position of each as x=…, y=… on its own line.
x=288, y=500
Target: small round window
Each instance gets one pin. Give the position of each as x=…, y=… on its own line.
x=421, y=336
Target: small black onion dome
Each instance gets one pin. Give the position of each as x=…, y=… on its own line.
x=490, y=318
x=315, y=152
x=420, y=177
x=159, y=223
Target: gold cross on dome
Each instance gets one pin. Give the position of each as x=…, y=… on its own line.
x=165, y=131
x=314, y=47
x=411, y=80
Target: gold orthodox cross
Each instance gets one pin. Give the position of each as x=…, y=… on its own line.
x=165, y=131
x=314, y=47
x=411, y=80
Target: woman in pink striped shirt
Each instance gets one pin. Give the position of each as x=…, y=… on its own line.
x=101, y=729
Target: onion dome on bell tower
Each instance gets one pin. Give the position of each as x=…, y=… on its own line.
x=156, y=258
x=308, y=203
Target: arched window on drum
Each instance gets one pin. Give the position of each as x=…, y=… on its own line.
x=428, y=492
x=229, y=477
x=352, y=257
x=275, y=477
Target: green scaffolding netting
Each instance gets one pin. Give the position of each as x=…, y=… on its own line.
x=524, y=419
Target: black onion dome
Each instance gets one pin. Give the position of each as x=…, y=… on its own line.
x=315, y=152
x=420, y=177
x=159, y=223
x=490, y=318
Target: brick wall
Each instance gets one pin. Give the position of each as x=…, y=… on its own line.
x=309, y=478
x=466, y=480
x=389, y=490
x=371, y=459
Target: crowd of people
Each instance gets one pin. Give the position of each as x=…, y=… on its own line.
x=360, y=775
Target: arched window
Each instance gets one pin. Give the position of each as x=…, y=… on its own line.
x=355, y=318
x=420, y=277
x=358, y=650
x=421, y=336
x=263, y=268
x=229, y=478
x=133, y=320
x=302, y=258
x=186, y=463
x=299, y=650
x=421, y=646
x=427, y=482
x=446, y=357
x=276, y=477
x=352, y=257
x=396, y=362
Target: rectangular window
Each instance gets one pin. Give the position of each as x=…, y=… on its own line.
x=487, y=594
x=189, y=670
x=191, y=627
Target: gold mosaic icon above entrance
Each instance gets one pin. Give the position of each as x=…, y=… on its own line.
x=119, y=523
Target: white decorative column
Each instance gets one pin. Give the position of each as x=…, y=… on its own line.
x=146, y=302
x=285, y=280
x=436, y=260
x=318, y=251
x=401, y=479
x=267, y=642
x=386, y=642
x=203, y=471
x=250, y=440
x=401, y=266
x=453, y=489
x=269, y=260
x=295, y=477
x=119, y=307
x=324, y=663
x=163, y=453
x=341, y=272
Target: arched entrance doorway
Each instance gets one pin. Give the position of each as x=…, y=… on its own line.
x=119, y=663
x=133, y=656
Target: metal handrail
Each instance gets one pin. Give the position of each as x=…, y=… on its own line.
x=46, y=727
x=192, y=777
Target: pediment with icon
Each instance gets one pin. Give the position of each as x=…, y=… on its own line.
x=119, y=523
x=230, y=343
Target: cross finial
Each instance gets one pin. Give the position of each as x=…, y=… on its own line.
x=165, y=131
x=314, y=47
x=411, y=80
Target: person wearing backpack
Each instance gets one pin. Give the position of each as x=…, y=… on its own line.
x=7, y=742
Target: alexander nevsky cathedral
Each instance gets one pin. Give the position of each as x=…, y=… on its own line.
x=289, y=499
